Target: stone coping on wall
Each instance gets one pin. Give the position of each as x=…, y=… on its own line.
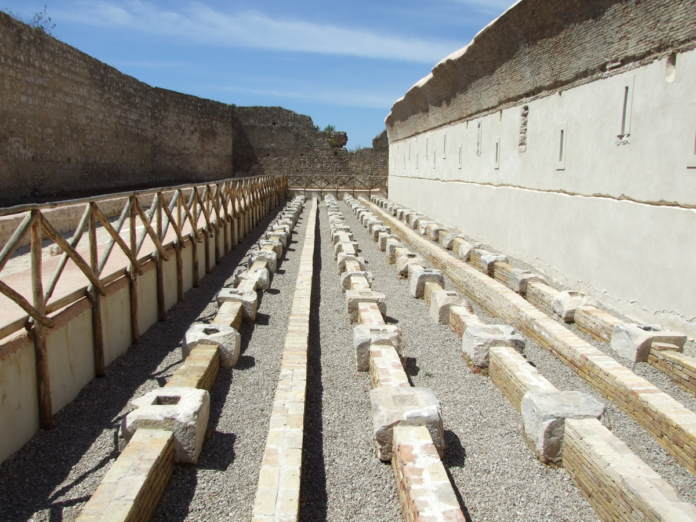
x=278, y=490
x=672, y=425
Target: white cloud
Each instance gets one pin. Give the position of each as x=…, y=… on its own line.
x=199, y=24
x=347, y=98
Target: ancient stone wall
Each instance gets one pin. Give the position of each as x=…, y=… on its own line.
x=72, y=125
x=270, y=140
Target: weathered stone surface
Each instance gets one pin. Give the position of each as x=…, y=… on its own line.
x=565, y=304
x=478, y=339
x=248, y=298
x=419, y=276
x=377, y=230
x=276, y=244
x=489, y=258
x=404, y=260
x=544, y=415
x=346, y=276
x=404, y=407
x=440, y=304
x=226, y=338
x=447, y=241
x=270, y=257
x=364, y=336
x=353, y=297
x=392, y=245
x=345, y=259
x=260, y=276
x=518, y=279
x=278, y=236
x=465, y=250
x=183, y=411
x=342, y=237
x=461, y=317
x=423, y=225
x=632, y=341
x=348, y=247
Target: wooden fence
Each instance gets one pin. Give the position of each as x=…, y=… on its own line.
x=230, y=206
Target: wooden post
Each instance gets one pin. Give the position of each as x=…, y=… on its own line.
x=194, y=239
x=43, y=381
x=135, y=325
x=161, y=311
x=179, y=255
x=98, y=336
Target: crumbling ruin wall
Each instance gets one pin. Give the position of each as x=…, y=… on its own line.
x=564, y=135
x=72, y=125
x=271, y=140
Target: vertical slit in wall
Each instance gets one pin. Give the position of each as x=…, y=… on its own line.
x=497, y=153
x=671, y=68
x=460, y=157
x=478, y=140
x=427, y=140
x=444, y=147
x=623, y=113
x=560, y=149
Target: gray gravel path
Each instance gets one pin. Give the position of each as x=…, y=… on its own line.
x=622, y=425
x=223, y=484
x=341, y=477
x=57, y=471
x=495, y=475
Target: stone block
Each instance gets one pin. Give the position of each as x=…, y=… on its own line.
x=353, y=297
x=260, y=276
x=383, y=238
x=430, y=288
x=392, y=245
x=405, y=260
x=544, y=415
x=402, y=406
x=342, y=237
x=248, y=298
x=478, y=339
x=270, y=257
x=183, y=411
x=447, y=240
x=275, y=244
x=372, y=223
x=440, y=304
x=345, y=259
x=487, y=259
x=226, y=338
x=419, y=276
x=278, y=236
x=364, y=336
x=346, y=279
x=633, y=341
x=465, y=250
x=340, y=228
x=435, y=230
x=423, y=225
x=518, y=279
x=379, y=229
x=229, y=314
x=565, y=304
x=349, y=248
x=461, y=317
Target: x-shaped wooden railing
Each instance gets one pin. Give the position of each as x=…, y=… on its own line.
x=236, y=203
x=329, y=182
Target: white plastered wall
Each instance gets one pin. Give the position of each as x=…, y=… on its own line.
x=612, y=217
x=70, y=349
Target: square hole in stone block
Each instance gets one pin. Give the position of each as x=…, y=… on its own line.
x=166, y=400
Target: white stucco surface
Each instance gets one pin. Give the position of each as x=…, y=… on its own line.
x=615, y=220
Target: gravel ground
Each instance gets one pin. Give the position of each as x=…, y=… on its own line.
x=622, y=425
x=341, y=477
x=56, y=472
x=496, y=476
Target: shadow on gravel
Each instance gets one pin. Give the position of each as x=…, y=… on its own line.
x=412, y=369
x=313, y=498
x=32, y=479
x=454, y=456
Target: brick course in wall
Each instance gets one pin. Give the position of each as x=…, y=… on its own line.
x=131, y=489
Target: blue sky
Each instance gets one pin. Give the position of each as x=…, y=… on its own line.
x=342, y=63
